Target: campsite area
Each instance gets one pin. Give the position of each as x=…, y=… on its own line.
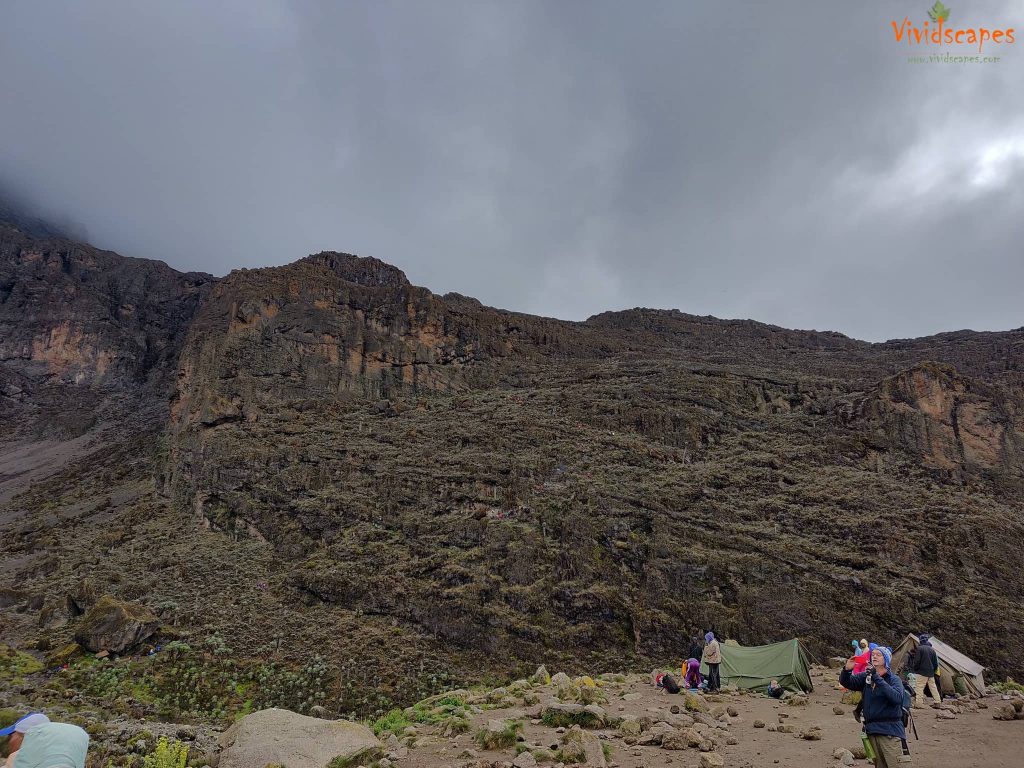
x=948, y=738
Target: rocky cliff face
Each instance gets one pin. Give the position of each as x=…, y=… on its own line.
x=445, y=478
x=81, y=328
x=951, y=422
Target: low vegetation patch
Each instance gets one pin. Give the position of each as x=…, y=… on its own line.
x=506, y=737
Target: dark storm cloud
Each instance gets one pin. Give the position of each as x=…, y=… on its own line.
x=781, y=161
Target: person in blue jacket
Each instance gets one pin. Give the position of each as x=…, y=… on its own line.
x=883, y=697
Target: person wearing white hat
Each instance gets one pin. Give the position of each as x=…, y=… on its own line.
x=36, y=742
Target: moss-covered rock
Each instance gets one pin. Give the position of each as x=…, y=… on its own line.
x=116, y=626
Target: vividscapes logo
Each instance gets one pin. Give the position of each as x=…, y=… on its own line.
x=939, y=32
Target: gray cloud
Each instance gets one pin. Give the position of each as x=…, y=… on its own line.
x=781, y=161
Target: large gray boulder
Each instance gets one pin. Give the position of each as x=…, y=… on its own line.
x=297, y=741
x=116, y=626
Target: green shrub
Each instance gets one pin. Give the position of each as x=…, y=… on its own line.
x=168, y=754
x=1007, y=687
x=394, y=722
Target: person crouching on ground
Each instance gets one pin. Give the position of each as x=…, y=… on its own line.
x=775, y=690
x=691, y=676
x=883, y=707
x=35, y=742
x=713, y=658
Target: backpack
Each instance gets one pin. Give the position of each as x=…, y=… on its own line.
x=908, y=702
x=669, y=683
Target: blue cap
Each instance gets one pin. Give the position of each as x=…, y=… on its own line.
x=25, y=724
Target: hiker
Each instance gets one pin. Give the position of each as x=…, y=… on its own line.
x=696, y=649
x=884, y=697
x=775, y=690
x=924, y=664
x=36, y=742
x=692, y=677
x=863, y=657
x=713, y=658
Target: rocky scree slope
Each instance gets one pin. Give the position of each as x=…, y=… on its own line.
x=386, y=474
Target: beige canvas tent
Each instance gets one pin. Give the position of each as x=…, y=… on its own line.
x=952, y=664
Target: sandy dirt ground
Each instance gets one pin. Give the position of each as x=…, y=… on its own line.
x=970, y=740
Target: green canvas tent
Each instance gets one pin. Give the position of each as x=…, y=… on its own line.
x=756, y=666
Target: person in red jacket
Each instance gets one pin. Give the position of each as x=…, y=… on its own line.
x=861, y=658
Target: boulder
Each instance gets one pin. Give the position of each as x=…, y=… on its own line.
x=541, y=676
x=1004, y=712
x=844, y=756
x=693, y=738
x=712, y=760
x=277, y=736
x=65, y=655
x=560, y=679
x=630, y=726
x=525, y=760
x=674, y=740
x=115, y=626
x=693, y=703
x=579, y=746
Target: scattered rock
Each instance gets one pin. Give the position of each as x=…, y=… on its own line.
x=732, y=711
x=630, y=727
x=579, y=746
x=844, y=756
x=1004, y=712
x=838, y=710
x=560, y=679
x=674, y=740
x=712, y=760
x=693, y=703
x=525, y=760
x=541, y=676
x=674, y=709
x=759, y=723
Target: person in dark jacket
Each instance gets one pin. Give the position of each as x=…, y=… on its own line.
x=696, y=649
x=924, y=665
x=883, y=707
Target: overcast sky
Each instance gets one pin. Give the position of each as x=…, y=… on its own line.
x=780, y=161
